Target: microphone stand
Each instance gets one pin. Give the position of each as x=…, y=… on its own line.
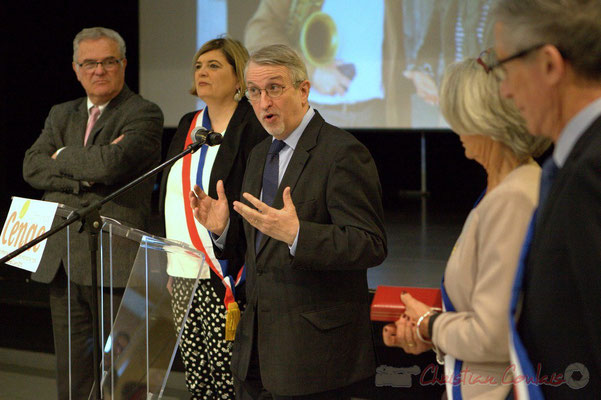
x=90, y=217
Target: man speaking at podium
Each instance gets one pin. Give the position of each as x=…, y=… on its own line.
x=89, y=148
x=311, y=221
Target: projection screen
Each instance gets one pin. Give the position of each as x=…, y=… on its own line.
x=372, y=64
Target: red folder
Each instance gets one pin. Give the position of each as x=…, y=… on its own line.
x=388, y=307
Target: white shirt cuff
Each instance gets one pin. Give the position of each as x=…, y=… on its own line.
x=293, y=247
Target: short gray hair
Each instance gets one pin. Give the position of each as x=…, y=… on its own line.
x=471, y=103
x=572, y=26
x=280, y=54
x=98, y=32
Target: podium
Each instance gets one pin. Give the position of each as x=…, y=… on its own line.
x=139, y=336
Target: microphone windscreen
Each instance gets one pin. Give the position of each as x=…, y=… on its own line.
x=199, y=134
x=214, y=138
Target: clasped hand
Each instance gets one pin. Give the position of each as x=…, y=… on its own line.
x=403, y=332
x=214, y=214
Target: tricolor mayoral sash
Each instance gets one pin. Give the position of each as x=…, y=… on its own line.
x=218, y=267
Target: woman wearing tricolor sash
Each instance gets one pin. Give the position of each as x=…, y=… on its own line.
x=218, y=70
x=470, y=335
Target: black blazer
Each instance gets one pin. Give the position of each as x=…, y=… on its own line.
x=560, y=321
x=312, y=310
x=243, y=132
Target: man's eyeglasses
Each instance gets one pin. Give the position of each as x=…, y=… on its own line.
x=494, y=67
x=273, y=90
x=110, y=64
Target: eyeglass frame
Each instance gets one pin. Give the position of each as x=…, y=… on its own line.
x=498, y=63
x=284, y=87
x=118, y=61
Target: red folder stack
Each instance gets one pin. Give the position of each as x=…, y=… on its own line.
x=388, y=307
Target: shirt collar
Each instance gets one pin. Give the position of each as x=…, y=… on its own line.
x=101, y=107
x=294, y=137
x=574, y=130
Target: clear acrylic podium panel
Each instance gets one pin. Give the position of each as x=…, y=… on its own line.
x=139, y=346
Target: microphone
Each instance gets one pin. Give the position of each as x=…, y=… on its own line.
x=204, y=136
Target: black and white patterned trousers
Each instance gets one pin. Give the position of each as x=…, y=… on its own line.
x=205, y=352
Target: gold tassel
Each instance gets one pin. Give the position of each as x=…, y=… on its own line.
x=231, y=321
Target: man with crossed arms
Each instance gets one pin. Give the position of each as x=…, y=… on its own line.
x=89, y=148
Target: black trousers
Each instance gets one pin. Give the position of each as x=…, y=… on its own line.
x=253, y=390
x=82, y=372
x=252, y=387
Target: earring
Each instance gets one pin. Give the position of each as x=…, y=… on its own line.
x=238, y=95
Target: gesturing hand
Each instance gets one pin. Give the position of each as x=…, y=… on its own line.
x=210, y=213
x=279, y=224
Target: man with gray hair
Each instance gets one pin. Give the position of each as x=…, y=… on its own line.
x=311, y=221
x=549, y=60
x=89, y=148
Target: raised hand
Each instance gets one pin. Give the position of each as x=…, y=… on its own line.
x=210, y=213
x=279, y=224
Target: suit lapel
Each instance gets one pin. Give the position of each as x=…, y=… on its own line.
x=565, y=172
x=255, y=182
x=297, y=163
x=301, y=154
x=80, y=120
x=106, y=114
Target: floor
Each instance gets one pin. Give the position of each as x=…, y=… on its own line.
x=420, y=233
x=26, y=375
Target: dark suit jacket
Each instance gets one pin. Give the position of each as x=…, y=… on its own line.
x=312, y=309
x=108, y=166
x=243, y=132
x=560, y=321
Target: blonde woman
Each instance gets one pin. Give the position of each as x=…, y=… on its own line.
x=218, y=80
x=471, y=335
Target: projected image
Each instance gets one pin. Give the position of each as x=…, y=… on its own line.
x=344, y=58
x=374, y=64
